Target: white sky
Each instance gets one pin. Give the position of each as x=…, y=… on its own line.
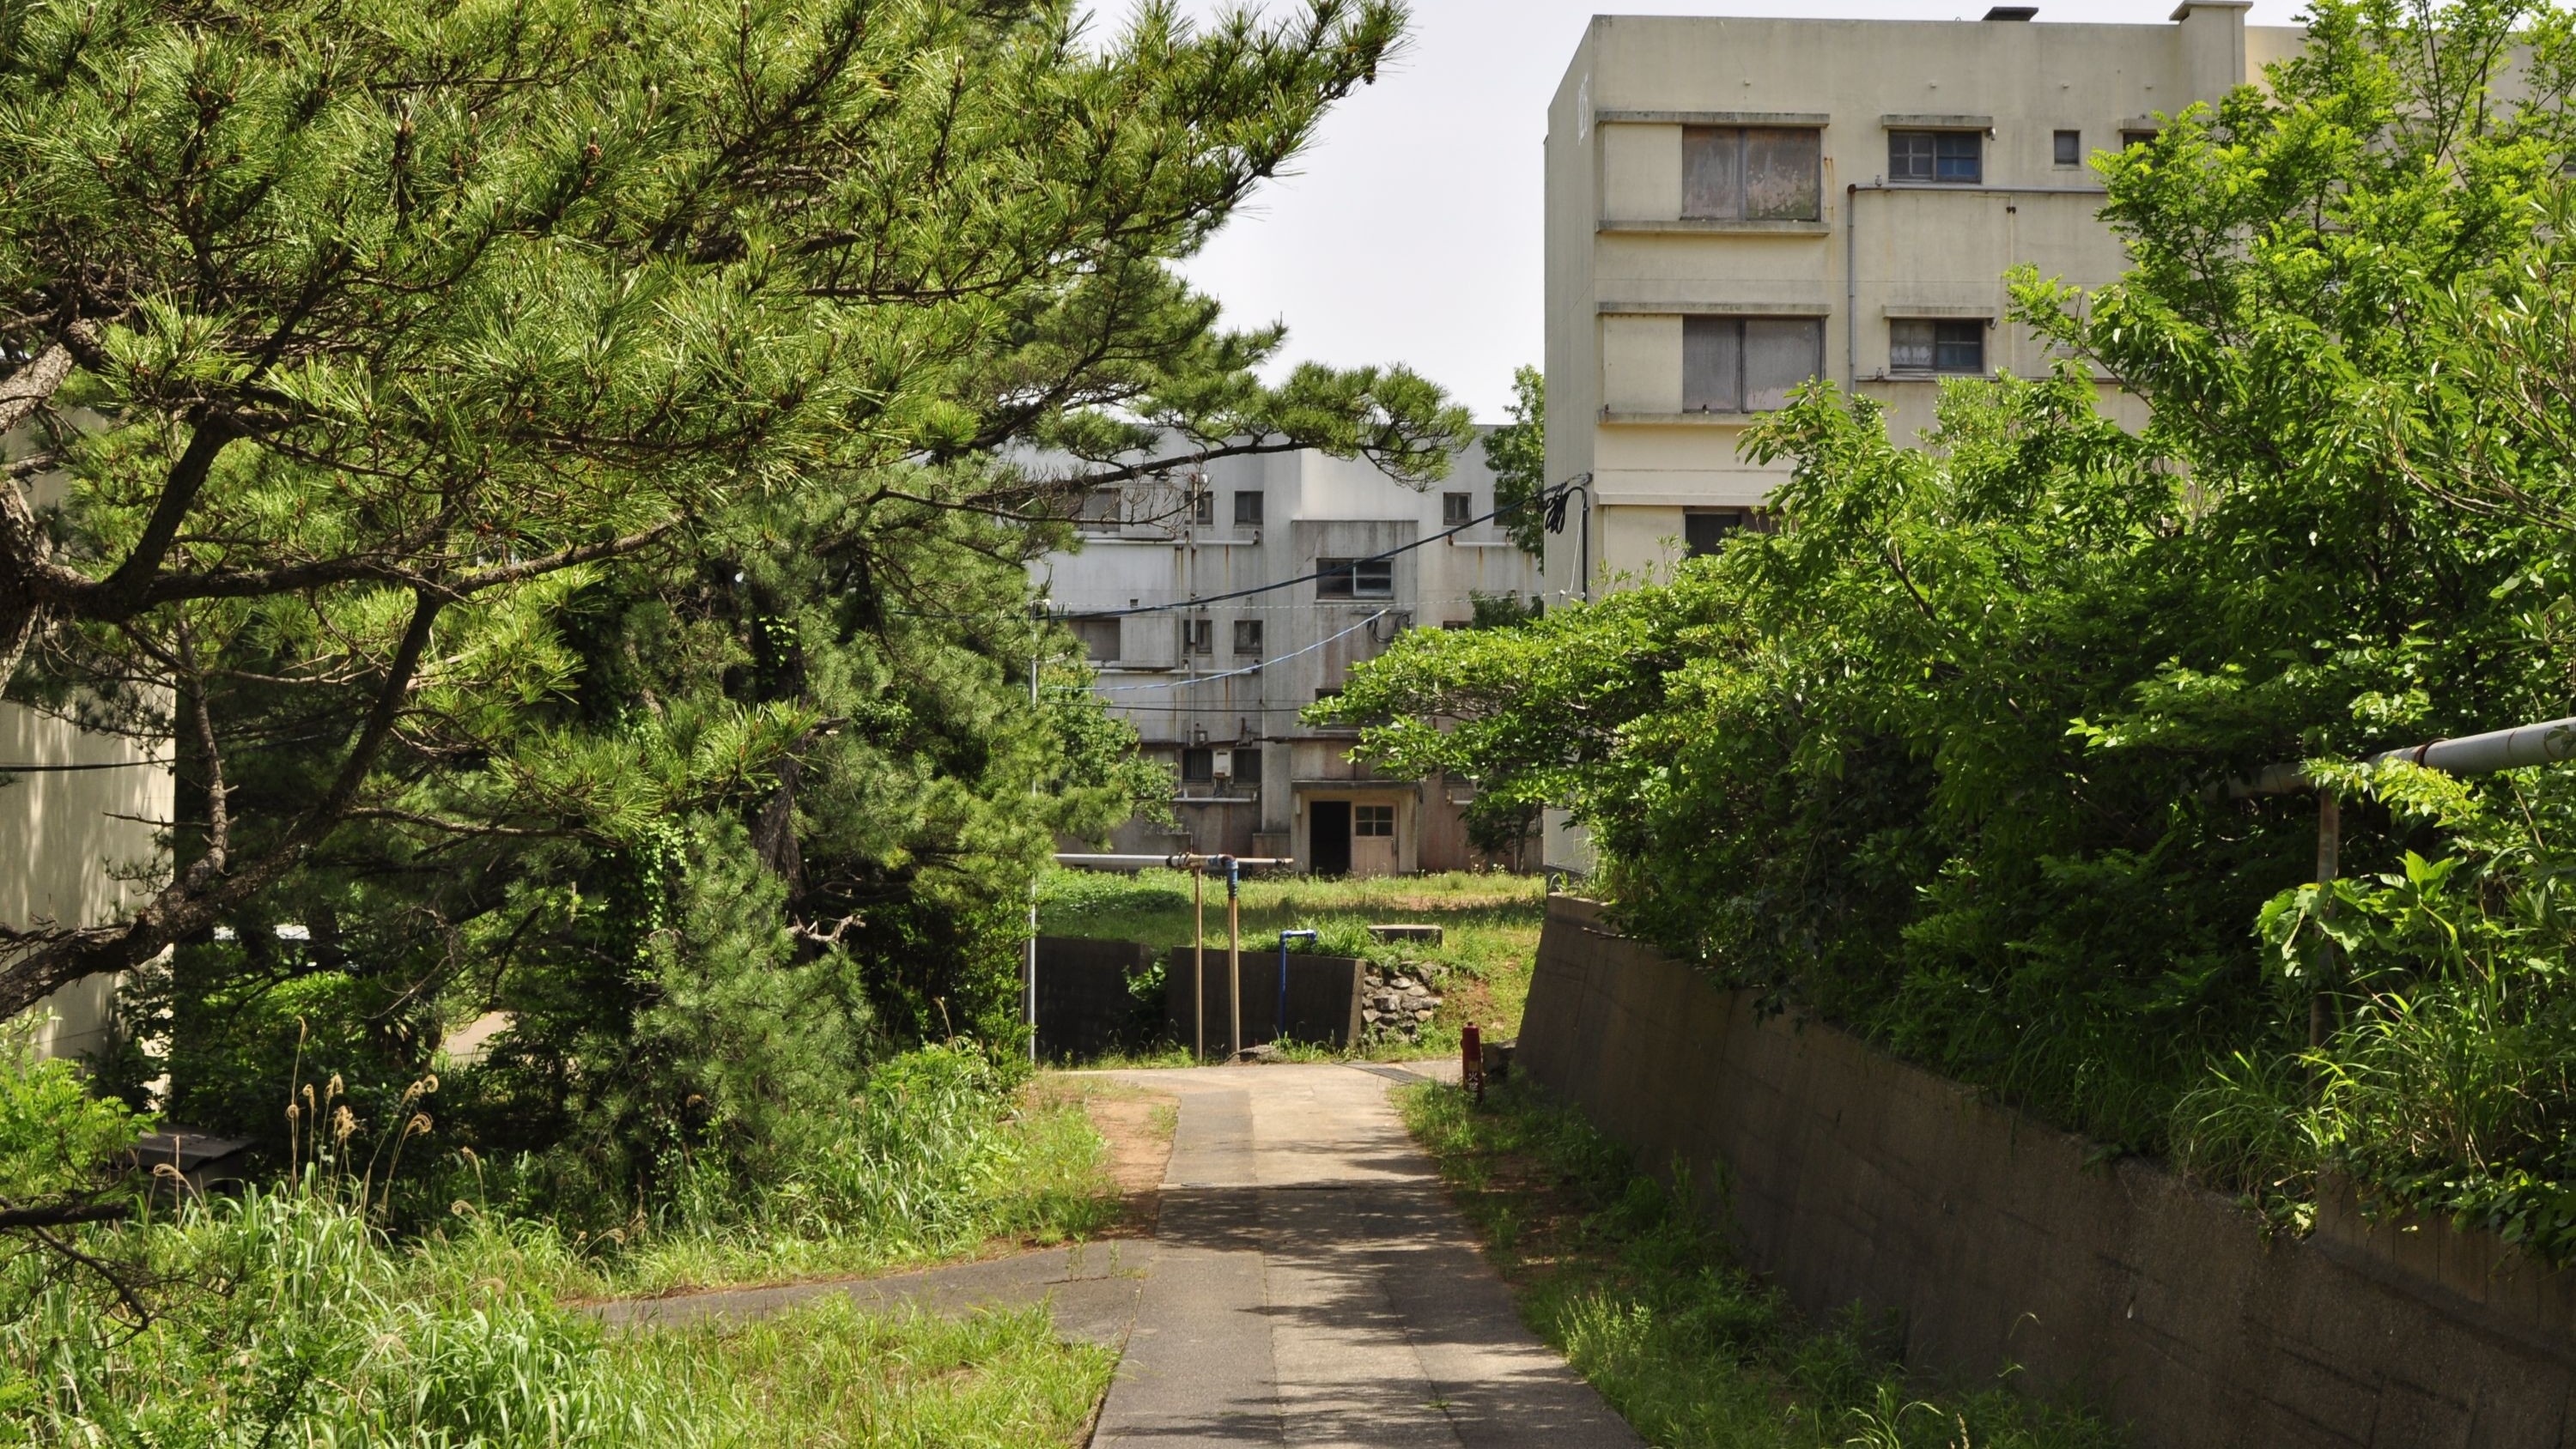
x=1412, y=234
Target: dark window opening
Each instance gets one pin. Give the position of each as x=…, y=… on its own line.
x=1198, y=636
x=1733, y=174
x=1704, y=529
x=1936, y=347
x=1247, y=636
x=1247, y=505
x=2129, y=139
x=1247, y=764
x=1457, y=508
x=1366, y=578
x=1099, y=637
x=1748, y=364
x=1203, y=507
x=1373, y=820
x=1954, y=158
x=1198, y=765
x=1100, y=505
x=2070, y=148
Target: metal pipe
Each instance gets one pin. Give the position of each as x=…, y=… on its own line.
x=1198, y=967
x=2546, y=743
x=1233, y=956
x=1851, y=284
x=1280, y=1033
x=1174, y=862
x=1029, y=983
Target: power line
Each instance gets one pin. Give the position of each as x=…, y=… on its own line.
x=1347, y=566
x=1239, y=673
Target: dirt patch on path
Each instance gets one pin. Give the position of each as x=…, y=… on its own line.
x=1137, y=1124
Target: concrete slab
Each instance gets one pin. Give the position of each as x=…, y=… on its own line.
x=1316, y=1287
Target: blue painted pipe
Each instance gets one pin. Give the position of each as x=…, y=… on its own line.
x=1281, y=1034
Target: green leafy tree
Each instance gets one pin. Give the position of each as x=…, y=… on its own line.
x=390, y=373
x=1517, y=452
x=1947, y=757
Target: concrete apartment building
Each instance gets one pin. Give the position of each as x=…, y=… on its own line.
x=77, y=841
x=1214, y=688
x=1735, y=206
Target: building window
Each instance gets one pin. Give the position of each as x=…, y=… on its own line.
x=1748, y=364
x=2070, y=148
x=1247, y=636
x=2129, y=139
x=1099, y=637
x=1732, y=174
x=1247, y=505
x=1099, y=506
x=1373, y=820
x=1936, y=347
x=1202, y=507
x=1247, y=764
x=1954, y=158
x=1198, y=765
x=1198, y=636
x=1457, y=508
x=1344, y=578
x=1704, y=529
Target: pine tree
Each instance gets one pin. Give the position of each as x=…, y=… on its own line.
x=398, y=373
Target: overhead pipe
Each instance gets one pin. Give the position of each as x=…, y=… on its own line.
x=2547, y=743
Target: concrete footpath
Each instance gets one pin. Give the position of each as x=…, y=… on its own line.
x=1311, y=1285
x=1308, y=1284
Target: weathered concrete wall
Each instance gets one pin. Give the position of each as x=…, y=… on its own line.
x=1323, y=998
x=1850, y=1176
x=1084, y=1007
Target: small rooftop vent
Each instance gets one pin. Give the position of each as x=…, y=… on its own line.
x=2012, y=12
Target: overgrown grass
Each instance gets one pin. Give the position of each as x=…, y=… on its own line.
x=1490, y=927
x=1615, y=1269
x=287, y=1318
x=291, y=1315
x=939, y=1159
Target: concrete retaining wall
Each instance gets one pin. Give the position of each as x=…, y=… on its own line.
x=1084, y=1007
x=1323, y=998
x=1851, y=1176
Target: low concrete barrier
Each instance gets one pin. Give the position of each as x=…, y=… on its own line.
x=1323, y=998
x=1085, y=1008
x=1847, y=1176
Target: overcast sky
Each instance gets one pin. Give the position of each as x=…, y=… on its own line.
x=1411, y=233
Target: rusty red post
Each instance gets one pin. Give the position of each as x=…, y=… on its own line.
x=1471, y=1060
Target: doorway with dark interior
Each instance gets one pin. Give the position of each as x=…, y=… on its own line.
x=1328, y=836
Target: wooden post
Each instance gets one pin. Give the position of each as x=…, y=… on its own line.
x=2329, y=865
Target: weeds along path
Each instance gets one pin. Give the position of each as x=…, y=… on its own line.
x=1308, y=1283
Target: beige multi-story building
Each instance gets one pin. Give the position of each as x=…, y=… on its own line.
x=1220, y=601
x=1735, y=206
x=80, y=839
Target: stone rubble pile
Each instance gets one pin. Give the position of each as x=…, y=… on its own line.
x=1395, y=1001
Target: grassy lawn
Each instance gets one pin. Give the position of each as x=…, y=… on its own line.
x=1614, y=1269
x=1490, y=927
